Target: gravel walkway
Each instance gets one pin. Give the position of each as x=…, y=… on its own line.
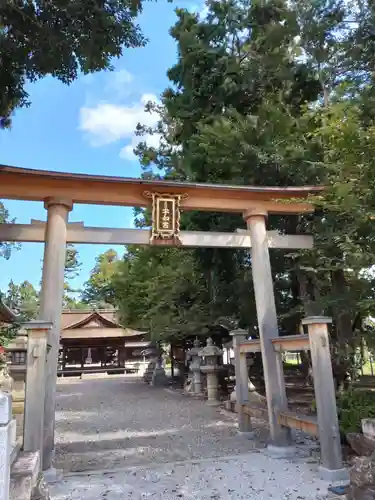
x=132, y=441
x=116, y=422
x=253, y=477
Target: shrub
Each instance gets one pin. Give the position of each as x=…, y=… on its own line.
x=352, y=407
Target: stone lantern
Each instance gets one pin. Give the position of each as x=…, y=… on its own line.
x=211, y=367
x=195, y=367
x=17, y=355
x=159, y=378
x=151, y=353
x=155, y=373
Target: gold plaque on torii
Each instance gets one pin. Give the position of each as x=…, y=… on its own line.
x=165, y=218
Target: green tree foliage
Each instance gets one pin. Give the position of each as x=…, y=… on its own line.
x=72, y=270
x=143, y=289
x=5, y=248
x=271, y=93
x=72, y=263
x=98, y=290
x=22, y=299
x=62, y=39
x=235, y=85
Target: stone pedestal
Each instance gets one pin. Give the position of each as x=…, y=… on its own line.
x=210, y=353
x=212, y=385
x=195, y=367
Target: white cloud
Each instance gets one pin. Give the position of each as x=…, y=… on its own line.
x=123, y=76
x=119, y=83
x=152, y=141
x=108, y=123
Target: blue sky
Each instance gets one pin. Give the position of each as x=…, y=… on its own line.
x=88, y=127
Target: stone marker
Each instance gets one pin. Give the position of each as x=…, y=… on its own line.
x=5, y=443
x=211, y=354
x=363, y=443
x=368, y=428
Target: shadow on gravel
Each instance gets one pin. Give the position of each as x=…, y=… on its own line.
x=123, y=422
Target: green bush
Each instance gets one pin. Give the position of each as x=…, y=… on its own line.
x=352, y=407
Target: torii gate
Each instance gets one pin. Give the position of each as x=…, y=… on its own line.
x=60, y=191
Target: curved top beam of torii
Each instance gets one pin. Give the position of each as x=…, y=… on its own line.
x=38, y=185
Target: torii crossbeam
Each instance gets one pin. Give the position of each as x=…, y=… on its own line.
x=79, y=234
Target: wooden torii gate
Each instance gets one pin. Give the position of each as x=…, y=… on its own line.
x=60, y=191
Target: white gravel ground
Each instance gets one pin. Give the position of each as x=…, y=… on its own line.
x=255, y=477
x=168, y=447
x=120, y=422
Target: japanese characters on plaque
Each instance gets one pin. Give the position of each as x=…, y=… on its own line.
x=165, y=217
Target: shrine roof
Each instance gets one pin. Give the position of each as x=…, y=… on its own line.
x=80, y=317
x=37, y=185
x=100, y=319
x=6, y=314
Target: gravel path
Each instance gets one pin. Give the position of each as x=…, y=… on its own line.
x=165, y=446
x=117, y=422
x=251, y=477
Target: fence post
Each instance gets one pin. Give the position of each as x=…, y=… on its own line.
x=242, y=387
x=35, y=385
x=329, y=435
x=6, y=444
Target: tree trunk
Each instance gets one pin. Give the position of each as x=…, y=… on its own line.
x=344, y=361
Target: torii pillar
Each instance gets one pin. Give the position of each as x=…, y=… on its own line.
x=51, y=304
x=268, y=328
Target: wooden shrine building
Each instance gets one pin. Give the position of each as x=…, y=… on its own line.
x=95, y=341
x=7, y=316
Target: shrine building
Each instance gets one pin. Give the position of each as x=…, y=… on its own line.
x=95, y=341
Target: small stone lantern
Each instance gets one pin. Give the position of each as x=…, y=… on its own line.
x=17, y=354
x=158, y=378
x=151, y=353
x=211, y=367
x=195, y=367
